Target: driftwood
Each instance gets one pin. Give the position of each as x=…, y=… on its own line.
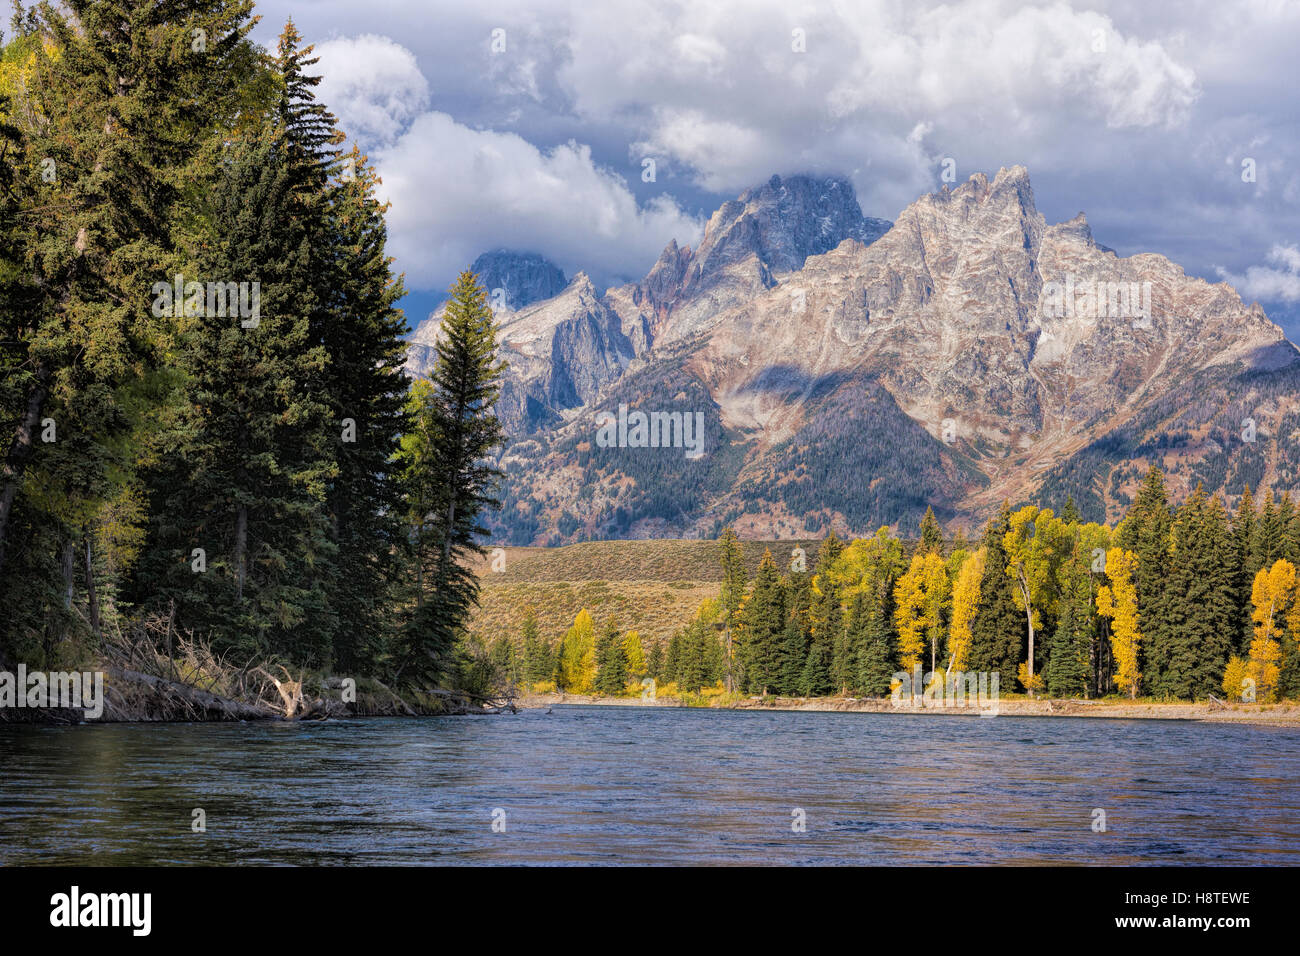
x=179, y=701
x=290, y=691
x=488, y=705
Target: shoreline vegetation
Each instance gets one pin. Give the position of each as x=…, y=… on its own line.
x=222, y=496
x=1267, y=715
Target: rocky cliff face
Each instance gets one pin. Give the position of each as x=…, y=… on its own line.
x=851, y=373
x=513, y=280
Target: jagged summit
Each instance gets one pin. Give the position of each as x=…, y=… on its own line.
x=522, y=277
x=852, y=371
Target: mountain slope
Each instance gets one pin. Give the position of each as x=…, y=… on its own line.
x=848, y=372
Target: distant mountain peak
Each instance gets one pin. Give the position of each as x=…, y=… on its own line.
x=522, y=277
x=787, y=219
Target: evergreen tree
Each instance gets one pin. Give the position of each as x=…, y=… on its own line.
x=792, y=651
x=672, y=658
x=367, y=391
x=611, y=662
x=1197, y=606
x=931, y=533
x=826, y=620
x=1248, y=564
x=869, y=623
x=1146, y=531
x=763, y=622
x=998, y=629
x=1070, y=512
x=655, y=665
x=449, y=478
x=538, y=665
x=733, y=595
x=243, y=477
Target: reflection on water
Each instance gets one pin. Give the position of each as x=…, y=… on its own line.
x=653, y=785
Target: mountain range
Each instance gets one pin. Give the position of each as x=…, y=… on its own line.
x=849, y=372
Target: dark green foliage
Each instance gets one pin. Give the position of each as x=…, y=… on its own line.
x=1146, y=531
x=931, y=534
x=999, y=635
x=763, y=618
x=1067, y=668
x=872, y=634
x=449, y=478
x=538, y=663
x=1196, y=607
x=611, y=661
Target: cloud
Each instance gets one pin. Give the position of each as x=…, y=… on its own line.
x=457, y=191
x=1279, y=282
x=1140, y=114
x=845, y=85
x=373, y=85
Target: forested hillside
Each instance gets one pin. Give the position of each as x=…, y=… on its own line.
x=209, y=435
x=1172, y=604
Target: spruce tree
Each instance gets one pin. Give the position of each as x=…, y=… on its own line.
x=998, y=634
x=672, y=658
x=873, y=634
x=826, y=619
x=931, y=533
x=449, y=477
x=655, y=664
x=733, y=594
x=611, y=662
x=763, y=624
x=1146, y=531
x=1197, y=606
x=367, y=390
x=1248, y=564
x=243, y=477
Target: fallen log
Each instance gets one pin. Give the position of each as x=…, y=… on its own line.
x=172, y=700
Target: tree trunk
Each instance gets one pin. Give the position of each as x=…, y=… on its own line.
x=1029, y=619
x=69, y=565
x=241, y=543
x=92, y=596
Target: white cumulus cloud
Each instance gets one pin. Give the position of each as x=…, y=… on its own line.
x=457, y=191
x=1278, y=281
x=373, y=85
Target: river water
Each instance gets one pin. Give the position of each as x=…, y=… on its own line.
x=653, y=785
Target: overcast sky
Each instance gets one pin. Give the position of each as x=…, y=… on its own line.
x=527, y=125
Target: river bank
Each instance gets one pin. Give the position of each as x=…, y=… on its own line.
x=1269, y=715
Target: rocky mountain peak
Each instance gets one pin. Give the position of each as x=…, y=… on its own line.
x=786, y=220
x=522, y=277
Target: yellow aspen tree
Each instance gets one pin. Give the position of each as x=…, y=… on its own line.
x=965, y=602
x=1272, y=595
x=635, y=655
x=1118, y=601
x=919, y=598
x=1032, y=546
x=579, y=656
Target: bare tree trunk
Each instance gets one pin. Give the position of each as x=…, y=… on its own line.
x=69, y=566
x=92, y=596
x=241, y=543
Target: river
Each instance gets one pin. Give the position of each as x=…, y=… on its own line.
x=653, y=785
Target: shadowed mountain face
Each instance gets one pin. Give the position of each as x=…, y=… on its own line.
x=848, y=372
